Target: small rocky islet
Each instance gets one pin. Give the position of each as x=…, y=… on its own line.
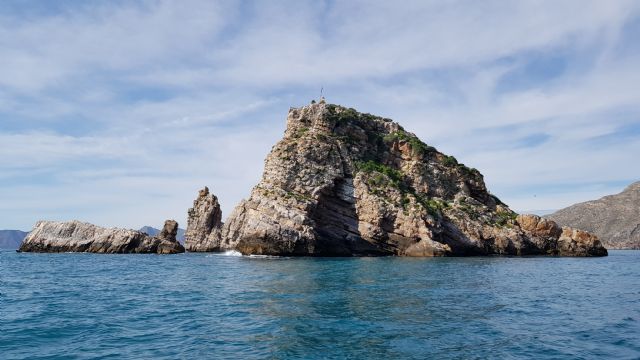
x=77, y=236
x=345, y=183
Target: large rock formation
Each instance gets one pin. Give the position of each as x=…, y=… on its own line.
x=204, y=223
x=615, y=219
x=343, y=183
x=76, y=236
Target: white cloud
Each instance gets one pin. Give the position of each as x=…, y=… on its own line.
x=373, y=40
x=117, y=114
x=69, y=46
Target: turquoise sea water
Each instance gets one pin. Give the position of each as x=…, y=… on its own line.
x=192, y=306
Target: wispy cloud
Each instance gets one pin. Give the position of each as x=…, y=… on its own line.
x=117, y=112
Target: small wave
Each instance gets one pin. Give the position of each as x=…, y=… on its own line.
x=225, y=253
x=268, y=257
x=232, y=253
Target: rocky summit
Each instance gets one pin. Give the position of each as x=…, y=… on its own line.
x=614, y=218
x=344, y=183
x=76, y=236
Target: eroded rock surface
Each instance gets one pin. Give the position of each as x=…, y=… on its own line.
x=556, y=240
x=169, y=230
x=204, y=223
x=76, y=236
x=344, y=183
x=574, y=242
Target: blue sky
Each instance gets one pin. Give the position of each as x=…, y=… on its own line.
x=117, y=112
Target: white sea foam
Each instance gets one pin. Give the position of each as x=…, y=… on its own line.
x=268, y=257
x=238, y=253
x=225, y=253
x=231, y=253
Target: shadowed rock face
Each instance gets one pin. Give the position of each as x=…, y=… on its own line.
x=169, y=230
x=343, y=183
x=615, y=219
x=76, y=236
x=204, y=223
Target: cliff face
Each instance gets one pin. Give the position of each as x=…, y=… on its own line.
x=343, y=183
x=615, y=219
x=76, y=236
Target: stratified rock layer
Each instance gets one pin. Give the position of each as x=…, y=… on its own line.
x=343, y=183
x=204, y=223
x=76, y=236
x=615, y=219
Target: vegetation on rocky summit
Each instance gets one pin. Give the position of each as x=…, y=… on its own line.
x=449, y=160
x=341, y=115
x=417, y=146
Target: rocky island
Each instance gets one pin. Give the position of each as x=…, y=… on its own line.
x=345, y=183
x=76, y=236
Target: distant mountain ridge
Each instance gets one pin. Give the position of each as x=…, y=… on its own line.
x=615, y=219
x=153, y=232
x=11, y=239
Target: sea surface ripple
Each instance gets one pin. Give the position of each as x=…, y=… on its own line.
x=89, y=306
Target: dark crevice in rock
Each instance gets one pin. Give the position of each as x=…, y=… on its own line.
x=336, y=223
